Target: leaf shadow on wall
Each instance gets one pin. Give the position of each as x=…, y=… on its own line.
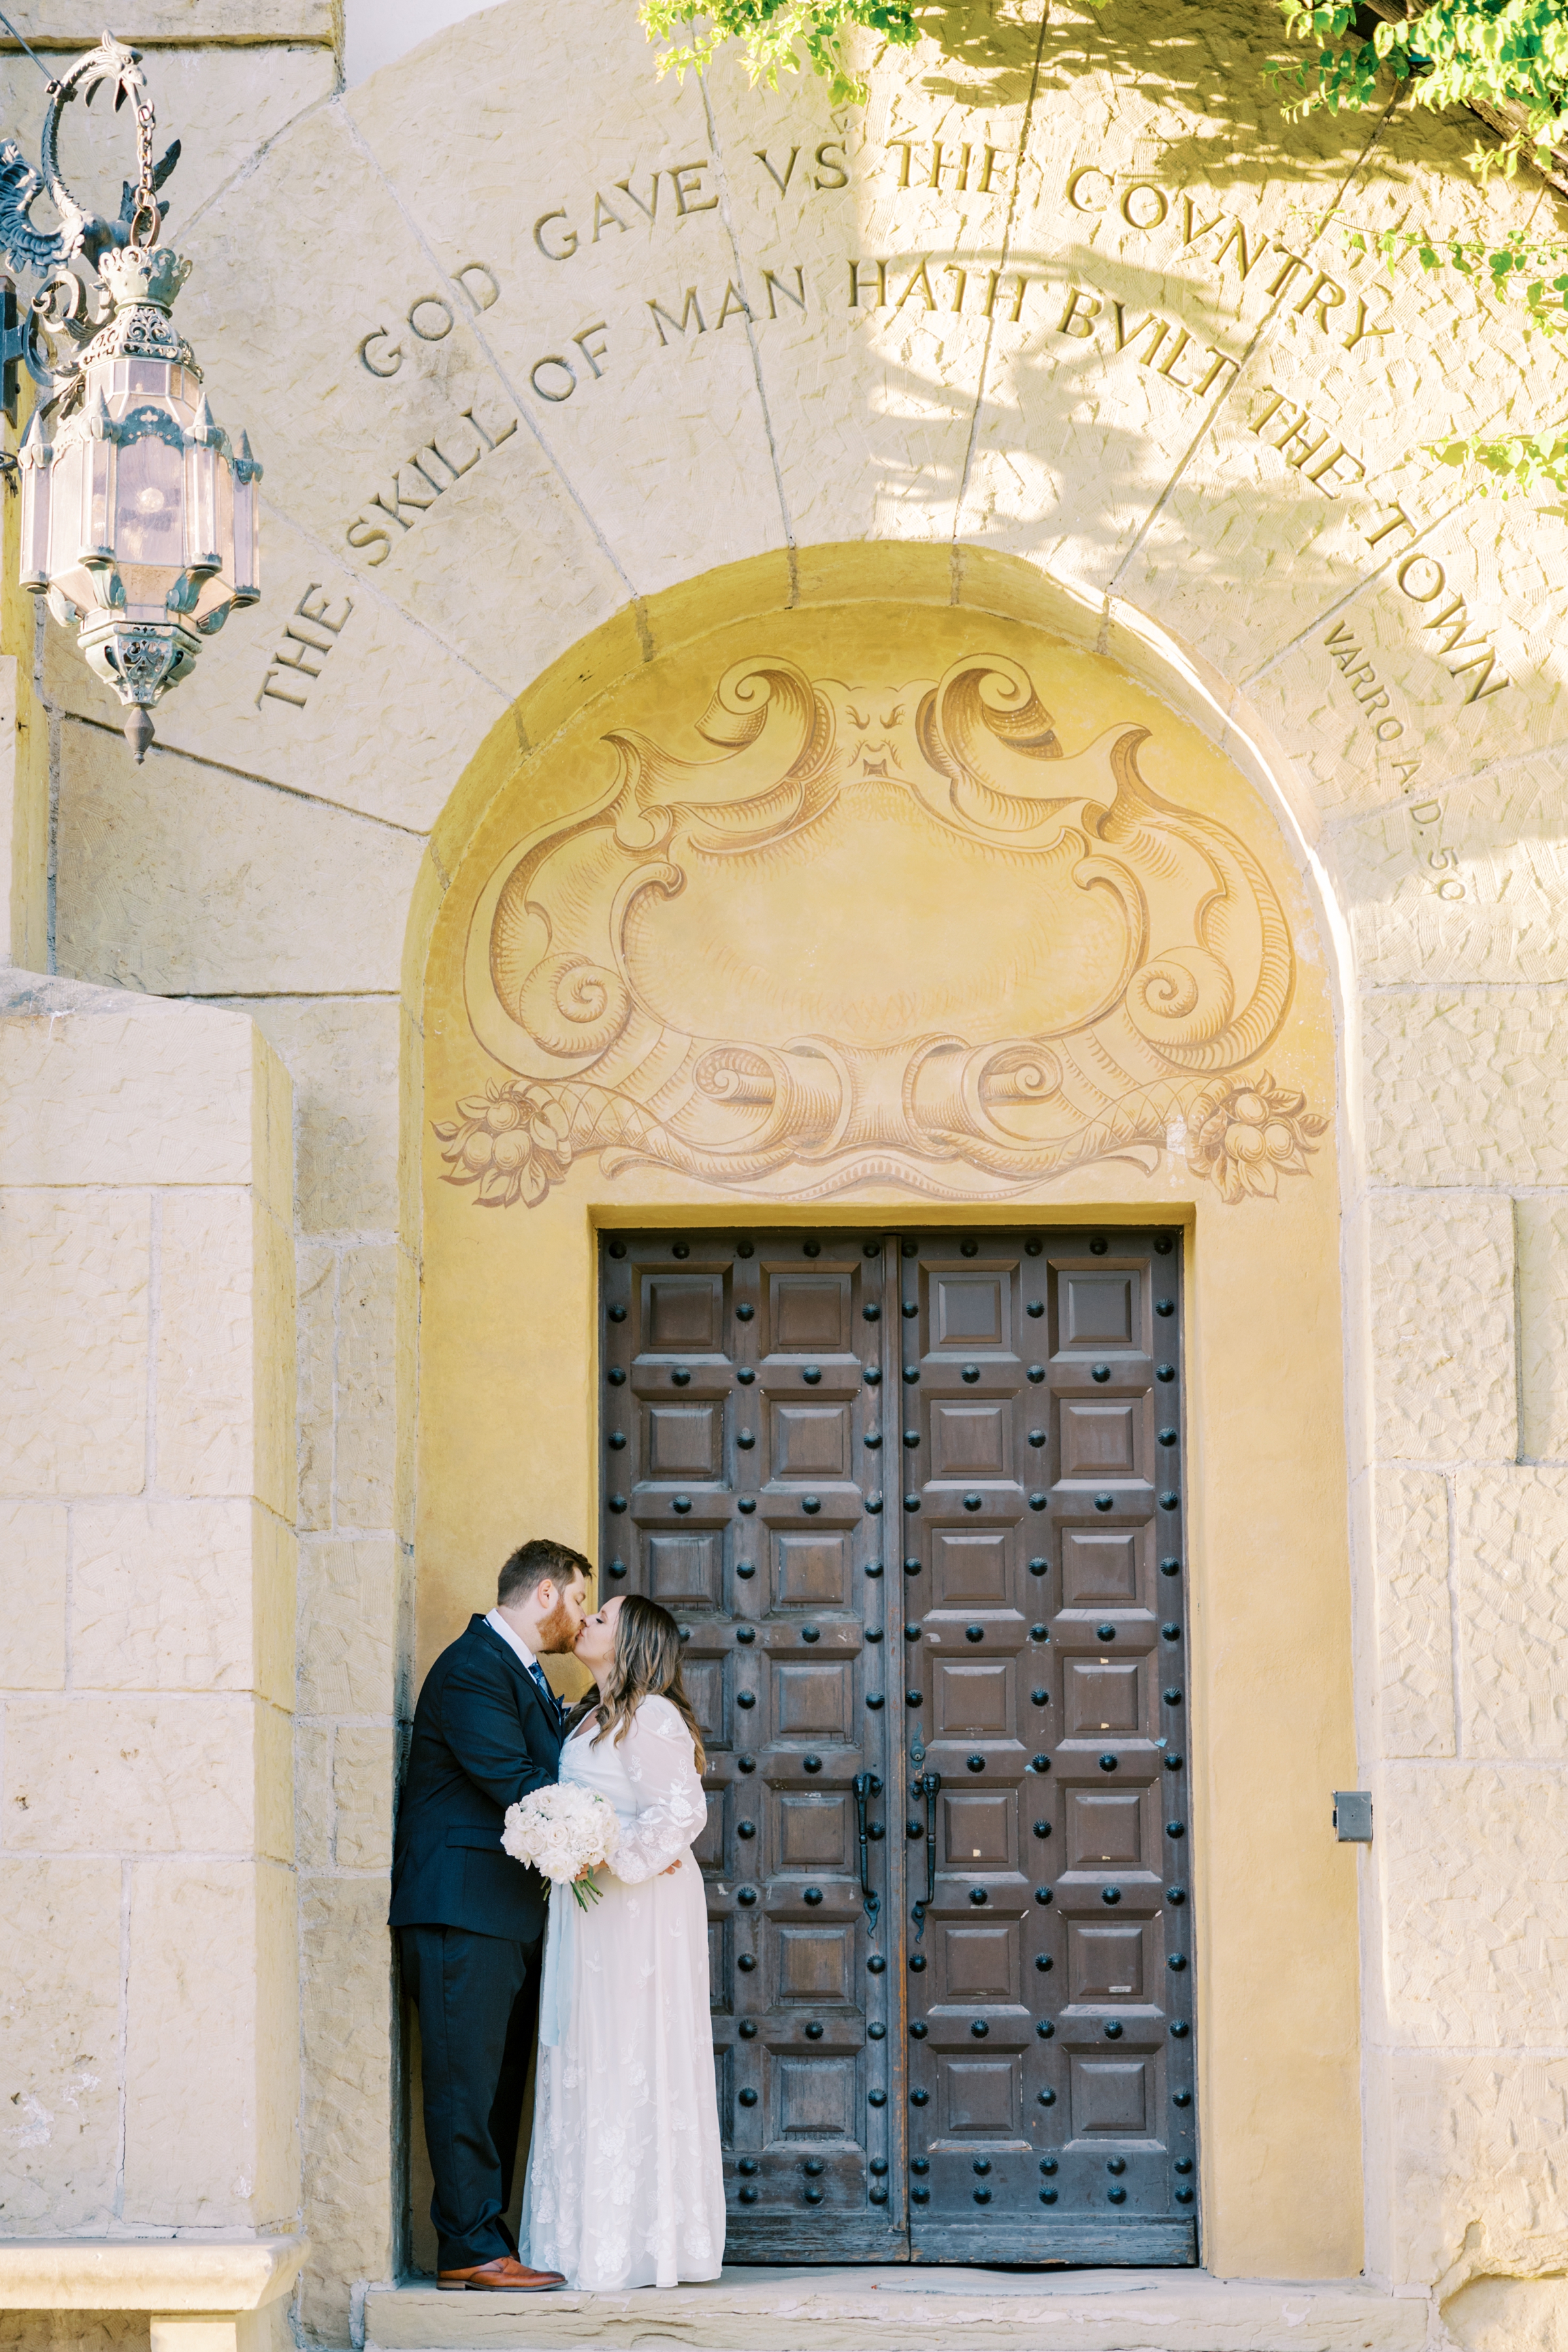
x=1187, y=57
x=1048, y=397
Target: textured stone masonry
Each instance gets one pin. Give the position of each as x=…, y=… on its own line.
x=148, y=2031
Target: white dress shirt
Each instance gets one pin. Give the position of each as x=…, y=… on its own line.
x=499, y=1624
x=532, y=1666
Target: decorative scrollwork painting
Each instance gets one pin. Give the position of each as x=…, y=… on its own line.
x=903, y=937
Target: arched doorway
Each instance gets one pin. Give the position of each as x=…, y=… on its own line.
x=882, y=925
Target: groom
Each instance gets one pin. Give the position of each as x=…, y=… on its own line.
x=487, y=1731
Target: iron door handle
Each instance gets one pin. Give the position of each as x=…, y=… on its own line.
x=865, y=1785
x=930, y=1785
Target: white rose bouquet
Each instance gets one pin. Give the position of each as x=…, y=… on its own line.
x=563, y=1832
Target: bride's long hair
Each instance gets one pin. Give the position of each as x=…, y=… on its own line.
x=644, y=1664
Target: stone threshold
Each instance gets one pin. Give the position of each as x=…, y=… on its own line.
x=914, y=2309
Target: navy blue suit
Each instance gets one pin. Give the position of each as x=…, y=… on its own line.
x=471, y=1924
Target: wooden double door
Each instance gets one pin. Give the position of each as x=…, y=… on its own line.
x=915, y=1500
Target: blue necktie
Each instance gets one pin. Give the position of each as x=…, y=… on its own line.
x=546, y=1693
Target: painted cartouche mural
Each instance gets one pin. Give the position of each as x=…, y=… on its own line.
x=905, y=937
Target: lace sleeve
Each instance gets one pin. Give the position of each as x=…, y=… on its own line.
x=671, y=1808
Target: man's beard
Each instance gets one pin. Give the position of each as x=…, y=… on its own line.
x=558, y=1631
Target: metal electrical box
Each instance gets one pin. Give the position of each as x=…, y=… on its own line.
x=1352, y=1816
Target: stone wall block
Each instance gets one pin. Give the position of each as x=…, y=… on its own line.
x=275, y=1598
x=33, y=1595
x=1541, y=1228
x=1475, y=1865
x=407, y=1367
x=366, y=1448
x=74, y=26
x=172, y=876
x=348, y=2030
x=283, y=352
x=59, y=2043
x=271, y=1127
x=74, y=2331
x=1504, y=924
x=1477, y=2142
x=130, y=1775
x=74, y=1276
x=1467, y=1086
x=195, y=1596
x=1512, y=1558
x=365, y=1765
x=316, y=1400
x=341, y=1055
x=101, y=1088
x=162, y=1596
x=313, y=1795
x=273, y=1344
x=1414, y=1704
x=837, y=498
x=205, y=1368
x=222, y=107
x=278, y=2060
x=273, y=1762
x=212, y=2063
x=1443, y=1373
x=348, y=1622
x=647, y=519
x=226, y=1349
x=1508, y=2314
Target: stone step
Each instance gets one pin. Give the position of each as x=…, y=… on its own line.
x=910, y=2310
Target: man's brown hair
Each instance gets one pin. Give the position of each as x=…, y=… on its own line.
x=533, y=1563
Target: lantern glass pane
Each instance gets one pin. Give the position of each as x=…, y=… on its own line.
x=37, y=482
x=225, y=542
x=202, y=542
x=150, y=505
x=97, y=467
x=67, y=508
x=246, y=542
x=141, y=377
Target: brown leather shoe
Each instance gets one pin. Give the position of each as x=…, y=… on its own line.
x=505, y=2275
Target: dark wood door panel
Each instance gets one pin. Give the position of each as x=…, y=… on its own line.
x=743, y=1378
x=916, y=1503
x=1050, y=2048
x=971, y=1567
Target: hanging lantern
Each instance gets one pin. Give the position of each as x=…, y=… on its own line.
x=139, y=517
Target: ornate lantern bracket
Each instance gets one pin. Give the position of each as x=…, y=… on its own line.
x=140, y=522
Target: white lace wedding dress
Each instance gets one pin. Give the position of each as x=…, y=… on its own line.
x=626, y=2181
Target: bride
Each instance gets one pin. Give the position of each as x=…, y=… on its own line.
x=625, y=2183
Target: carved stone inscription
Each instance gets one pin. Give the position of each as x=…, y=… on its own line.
x=309, y=634
x=696, y=972
x=423, y=477
x=1233, y=252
